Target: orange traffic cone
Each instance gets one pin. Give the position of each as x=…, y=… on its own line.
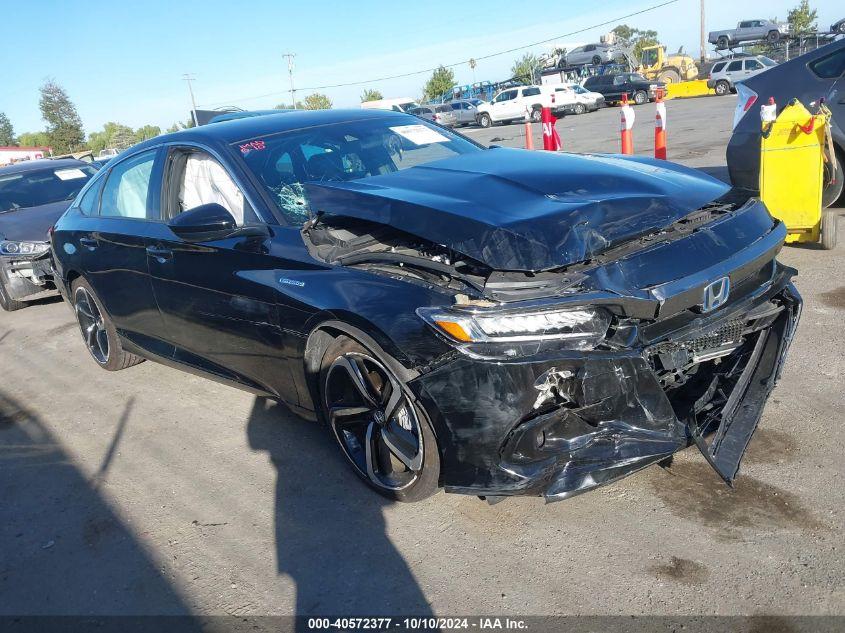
x=660, y=128
x=529, y=139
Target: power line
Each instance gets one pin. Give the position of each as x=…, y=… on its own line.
x=461, y=63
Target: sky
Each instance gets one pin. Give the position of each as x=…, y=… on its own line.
x=124, y=61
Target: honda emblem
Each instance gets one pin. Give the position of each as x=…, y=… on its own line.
x=716, y=294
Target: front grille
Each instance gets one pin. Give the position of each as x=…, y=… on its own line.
x=730, y=332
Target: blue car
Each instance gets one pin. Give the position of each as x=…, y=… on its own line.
x=489, y=321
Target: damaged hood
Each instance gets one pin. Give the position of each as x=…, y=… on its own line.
x=31, y=224
x=524, y=211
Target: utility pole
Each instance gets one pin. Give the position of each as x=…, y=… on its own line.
x=290, y=57
x=703, y=36
x=189, y=77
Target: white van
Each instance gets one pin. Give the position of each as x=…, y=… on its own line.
x=402, y=104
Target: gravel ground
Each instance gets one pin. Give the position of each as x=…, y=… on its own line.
x=151, y=491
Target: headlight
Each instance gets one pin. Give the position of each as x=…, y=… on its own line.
x=574, y=328
x=23, y=248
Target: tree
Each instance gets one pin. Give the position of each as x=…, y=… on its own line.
x=34, y=139
x=635, y=39
x=440, y=82
x=7, y=132
x=317, y=101
x=64, y=127
x=802, y=19
x=285, y=106
x=146, y=132
x=113, y=134
x=525, y=68
x=371, y=94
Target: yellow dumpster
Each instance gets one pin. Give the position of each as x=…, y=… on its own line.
x=792, y=172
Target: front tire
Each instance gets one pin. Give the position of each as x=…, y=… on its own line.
x=722, y=88
x=98, y=331
x=774, y=36
x=640, y=97
x=380, y=428
x=484, y=120
x=669, y=76
x=828, y=230
x=579, y=108
x=6, y=302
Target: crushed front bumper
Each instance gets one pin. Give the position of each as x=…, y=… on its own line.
x=25, y=277
x=563, y=423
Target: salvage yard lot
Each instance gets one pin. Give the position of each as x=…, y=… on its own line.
x=151, y=491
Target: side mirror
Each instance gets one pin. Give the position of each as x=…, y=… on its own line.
x=203, y=223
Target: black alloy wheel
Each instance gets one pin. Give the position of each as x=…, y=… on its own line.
x=92, y=325
x=97, y=330
x=380, y=429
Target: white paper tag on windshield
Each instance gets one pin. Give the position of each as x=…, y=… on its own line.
x=420, y=134
x=69, y=174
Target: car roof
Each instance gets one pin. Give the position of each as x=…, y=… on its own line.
x=251, y=127
x=41, y=163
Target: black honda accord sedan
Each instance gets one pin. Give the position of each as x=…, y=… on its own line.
x=490, y=321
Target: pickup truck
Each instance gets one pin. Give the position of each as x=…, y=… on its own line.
x=749, y=31
x=512, y=104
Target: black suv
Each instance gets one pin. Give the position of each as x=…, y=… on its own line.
x=639, y=89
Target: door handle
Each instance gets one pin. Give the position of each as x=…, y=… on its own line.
x=88, y=242
x=159, y=253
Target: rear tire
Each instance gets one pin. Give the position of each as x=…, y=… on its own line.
x=596, y=60
x=394, y=452
x=828, y=230
x=833, y=192
x=722, y=43
x=6, y=302
x=722, y=87
x=536, y=114
x=98, y=331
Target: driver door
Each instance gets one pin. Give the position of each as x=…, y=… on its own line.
x=216, y=297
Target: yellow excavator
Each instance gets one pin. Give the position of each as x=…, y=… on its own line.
x=656, y=65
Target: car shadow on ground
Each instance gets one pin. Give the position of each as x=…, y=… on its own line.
x=64, y=549
x=330, y=529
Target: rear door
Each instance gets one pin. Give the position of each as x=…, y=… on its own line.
x=216, y=297
x=113, y=246
x=734, y=71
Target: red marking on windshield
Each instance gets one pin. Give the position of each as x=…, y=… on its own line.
x=252, y=145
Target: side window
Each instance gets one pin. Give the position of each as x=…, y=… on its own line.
x=830, y=66
x=205, y=181
x=590, y=47
x=619, y=80
x=90, y=202
x=126, y=192
x=752, y=64
x=530, y=92
x=744, y=25
x=718, y=67
x=735, y=66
